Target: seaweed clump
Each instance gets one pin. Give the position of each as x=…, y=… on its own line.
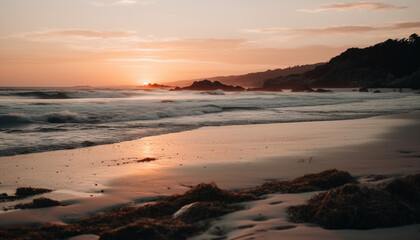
x=198, y=211
x=355, y=206
x=29, y=191
x=38, y=203
x=311, y=182
x=23, y=192
x=152, y=229
x=346, y=205
x=175, y=217
x=209, y=192
x=166, y=208
x=147, y=159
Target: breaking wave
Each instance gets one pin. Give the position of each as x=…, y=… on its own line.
x=11, y=119
x=63, y=117
x=43, y=95
x=36, y=120
x=70, y=94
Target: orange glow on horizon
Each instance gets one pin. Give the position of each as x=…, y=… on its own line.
x=60, y=48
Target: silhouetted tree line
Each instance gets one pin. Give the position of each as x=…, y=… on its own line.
x=393, y=63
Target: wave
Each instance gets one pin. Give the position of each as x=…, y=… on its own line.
x=120, y=111
x=63, y=117
x=69, y=94
x=12, y=119
x=43, y=95
x=215, y=92
x=70, y=142
x=38, y=125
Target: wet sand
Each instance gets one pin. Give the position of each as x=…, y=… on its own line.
x=233, y=157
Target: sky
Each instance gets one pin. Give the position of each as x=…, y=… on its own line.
x=129, y=42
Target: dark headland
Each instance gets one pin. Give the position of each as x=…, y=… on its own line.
x=394, y=63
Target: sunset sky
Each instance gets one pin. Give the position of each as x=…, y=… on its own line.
x=120, y=42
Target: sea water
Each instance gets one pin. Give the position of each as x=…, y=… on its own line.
x=45, y=119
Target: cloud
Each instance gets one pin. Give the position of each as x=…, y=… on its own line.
x=89, y=33
x=338, y=29
x=225, y=51
x=57, y=34
x=372, y=6
x=190, y=55
x=349, y=29
x=334, y=29
x=184, y=51
x=78, y=39
x=137, y=66
x=266, y=30
x=154, y=60
x=160, y=60
x=121, y=3
x=127, y=43
x=406, y=25
x=193, y=44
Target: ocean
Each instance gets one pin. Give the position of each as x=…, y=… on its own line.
x=46, y=119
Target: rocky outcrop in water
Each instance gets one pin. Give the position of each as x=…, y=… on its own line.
x=207, y=85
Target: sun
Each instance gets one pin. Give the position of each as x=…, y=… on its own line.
x=145, y=83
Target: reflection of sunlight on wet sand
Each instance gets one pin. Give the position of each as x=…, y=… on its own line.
x=232, y=157
x=90, y=169
x=146, y=150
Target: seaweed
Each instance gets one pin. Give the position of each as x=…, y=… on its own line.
x=354, y=206
x=311, y=182
x=23, y=192
x=152, y=229
x=38, y=203
x=151, y=221
x=346, y=205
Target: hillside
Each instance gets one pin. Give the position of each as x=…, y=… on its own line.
x=251, y=80
x=393, y=63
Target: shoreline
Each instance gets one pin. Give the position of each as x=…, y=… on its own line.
x=150, y=146
x=196, y=128
x=164, y=118
x=251, y=154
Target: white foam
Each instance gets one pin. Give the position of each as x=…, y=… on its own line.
x=99, y=116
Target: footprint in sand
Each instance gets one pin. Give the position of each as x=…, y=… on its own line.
x=404, y=152
x=283, y=227
x=260, y=219
x=246, y=226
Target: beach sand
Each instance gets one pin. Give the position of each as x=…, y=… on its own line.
x=95, y=179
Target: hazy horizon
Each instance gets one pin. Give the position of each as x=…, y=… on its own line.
x=63, y=43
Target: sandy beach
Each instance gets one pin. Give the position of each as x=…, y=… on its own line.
x=96, y=179
x=209, y=120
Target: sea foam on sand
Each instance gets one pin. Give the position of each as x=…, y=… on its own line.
x=95, y=179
